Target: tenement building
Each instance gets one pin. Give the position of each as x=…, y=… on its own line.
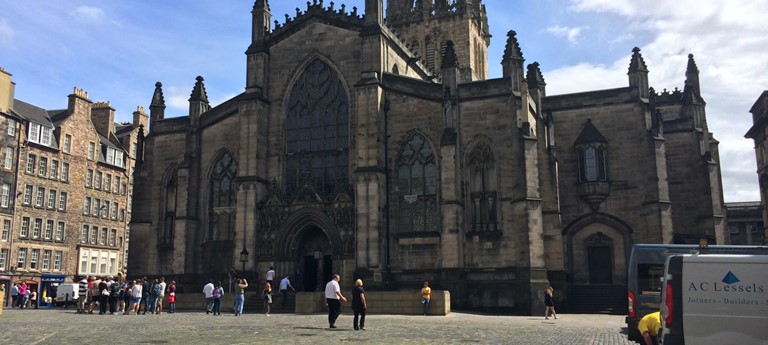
x=66, y=189
x=378, y=148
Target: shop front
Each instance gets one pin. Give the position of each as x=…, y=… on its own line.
x=48, y=285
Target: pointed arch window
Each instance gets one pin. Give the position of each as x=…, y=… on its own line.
x=167, y=233
x=430, y=50
x=317, y=132
x=482, y=189
x=221, y=198
x=417, y=187
x=592, y=163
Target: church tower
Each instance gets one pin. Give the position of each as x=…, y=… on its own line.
x=427, y=25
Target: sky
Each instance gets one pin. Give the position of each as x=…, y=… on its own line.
x=117, y=50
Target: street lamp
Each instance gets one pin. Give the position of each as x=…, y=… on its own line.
x=244, y=258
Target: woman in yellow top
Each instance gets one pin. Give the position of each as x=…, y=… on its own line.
x=426, y=295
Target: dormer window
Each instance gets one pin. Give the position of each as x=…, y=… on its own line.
x=39, y=134
x=114, y=157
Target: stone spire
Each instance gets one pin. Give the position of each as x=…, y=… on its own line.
x=257, y=60
x=157, y=106
x=512, y=63
x=535, y=78
x=638, y=73
x=260, y=24
x=692, y=75
x=198, y=101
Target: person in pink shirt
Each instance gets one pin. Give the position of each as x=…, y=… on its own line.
x=23, y=294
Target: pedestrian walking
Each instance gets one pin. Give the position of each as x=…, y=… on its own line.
x=217, y=293
x=359, y=305
x=271, y=275
x=426, y=297
x=267, y=297
x=285, y=284
x=549, y=302
x=332, y=297
x=207, y=292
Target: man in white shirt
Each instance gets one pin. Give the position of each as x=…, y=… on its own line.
x=208, y=291
x=332, y=296
x=271, y=275
x=161, y=295
x=285, y=284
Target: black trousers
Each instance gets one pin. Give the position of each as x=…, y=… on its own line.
x=360, y=325
x=334, y=310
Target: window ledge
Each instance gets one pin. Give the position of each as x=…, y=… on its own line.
x=485, y=234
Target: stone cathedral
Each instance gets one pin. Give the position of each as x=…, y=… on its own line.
x=375, y=146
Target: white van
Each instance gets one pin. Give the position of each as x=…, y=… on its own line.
x=67, y=293
x=715, y=299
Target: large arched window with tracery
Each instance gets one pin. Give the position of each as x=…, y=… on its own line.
x=221, y=198
x=317, y=131
x=482, y=188
x=417, y=187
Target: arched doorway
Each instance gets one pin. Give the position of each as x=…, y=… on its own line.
x=315, y=259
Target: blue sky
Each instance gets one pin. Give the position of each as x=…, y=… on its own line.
x=117, y=50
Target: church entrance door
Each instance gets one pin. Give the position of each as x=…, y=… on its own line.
x=316, y=260
x=600, y=267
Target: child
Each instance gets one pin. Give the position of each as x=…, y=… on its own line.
x=218, y=291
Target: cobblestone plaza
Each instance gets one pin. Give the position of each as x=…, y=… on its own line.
x=59, y=326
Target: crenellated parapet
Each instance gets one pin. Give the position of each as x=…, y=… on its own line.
x=403, y=13
x=317, y=9
x=667, y=96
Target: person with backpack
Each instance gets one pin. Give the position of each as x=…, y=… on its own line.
x=114, y=293
x=152, y=305
x=217, y=293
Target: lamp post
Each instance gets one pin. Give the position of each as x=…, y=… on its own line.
x=244, y=258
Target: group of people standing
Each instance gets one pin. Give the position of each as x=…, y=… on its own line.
x=22, y=296
x=334, y=297
x=125, y=296
x=214, y=292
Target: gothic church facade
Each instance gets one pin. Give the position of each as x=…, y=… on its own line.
x=378, y=148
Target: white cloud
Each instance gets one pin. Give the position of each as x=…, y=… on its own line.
x=572, y=34
x=6, y=33
x=178, y=99
x=727, y=39
x=88, y=14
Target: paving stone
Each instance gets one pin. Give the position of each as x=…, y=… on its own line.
x=58, y=326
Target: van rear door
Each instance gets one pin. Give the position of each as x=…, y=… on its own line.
x=715, y=299
x=671, y=296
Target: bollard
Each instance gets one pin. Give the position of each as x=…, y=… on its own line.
x=66, y=301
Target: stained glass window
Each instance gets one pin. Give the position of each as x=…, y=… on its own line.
x=317, y=131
